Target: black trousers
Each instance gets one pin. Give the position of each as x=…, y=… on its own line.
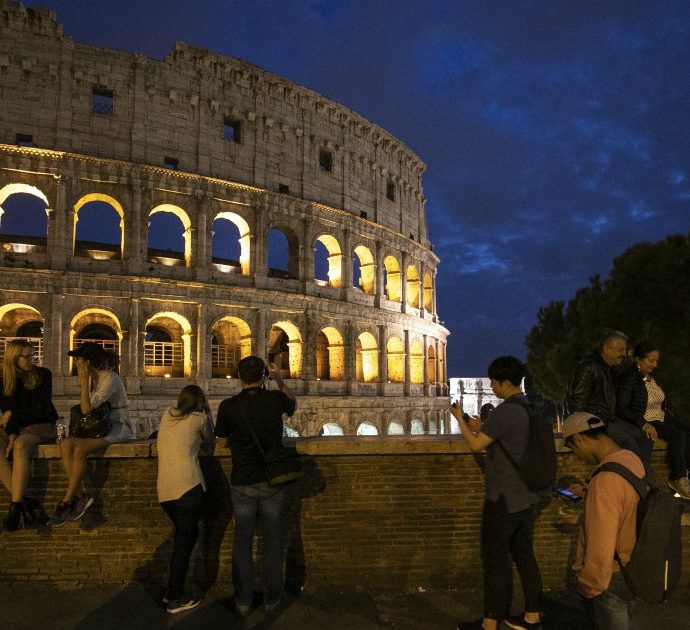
x=184, y=513
x=676, y=444
x=504, y=537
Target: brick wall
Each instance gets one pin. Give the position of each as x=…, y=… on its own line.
x=370, y=511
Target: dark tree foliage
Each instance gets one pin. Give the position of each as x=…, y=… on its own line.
x=647, y=296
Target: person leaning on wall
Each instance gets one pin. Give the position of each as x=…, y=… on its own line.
x=28, y=418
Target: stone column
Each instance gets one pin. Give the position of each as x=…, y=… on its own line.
x=309, y=357
x=133, y=346
x=133, y=256
x=433, y=295
x=350, y=375
x=57, y=219
x=53, y=336
x=201, y=250
x=379, y=288
x=403, y=282
x=203, y=347
x=406, y=343
x=306, y=253
x=425, y=367
x=260, y=264
x=261, y=334
x=383, y=360
x=346, y=264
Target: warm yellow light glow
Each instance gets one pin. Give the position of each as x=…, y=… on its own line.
x=294, y=346
x=111, y=202
x=393, y=280
x=416, y=362
x=186, y=224
x=335, y=259
x=367, y=358
x=12, y=189
x=428, y=293
x=367, y=269
x=413, y=286
x=244, y=239
x=395, y=360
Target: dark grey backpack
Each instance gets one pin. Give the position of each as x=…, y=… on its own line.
x=654, y=566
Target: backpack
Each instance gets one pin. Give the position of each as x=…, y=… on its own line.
x=654, y=566
x=537, y=469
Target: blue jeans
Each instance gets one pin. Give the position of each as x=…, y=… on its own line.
x=249, y=502
x=614, y=608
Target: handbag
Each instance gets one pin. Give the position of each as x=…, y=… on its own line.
x=95, y=424
x=282, y=463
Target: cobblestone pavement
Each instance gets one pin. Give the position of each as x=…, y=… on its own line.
x=134, y=607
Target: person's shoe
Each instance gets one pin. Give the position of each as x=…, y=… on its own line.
x=242, y=610
x=183, y=603
x=61, y=515
x=520, y=623
x=680, y=486
x=81, y=504
x=14, y=515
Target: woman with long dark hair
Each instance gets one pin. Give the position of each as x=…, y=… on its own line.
x=98, y=383
x=642, y=401
x=181, y=485
x=27, y=418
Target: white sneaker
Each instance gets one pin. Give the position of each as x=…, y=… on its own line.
x=681, y=487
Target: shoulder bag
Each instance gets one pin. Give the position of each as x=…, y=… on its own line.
x=95, y=424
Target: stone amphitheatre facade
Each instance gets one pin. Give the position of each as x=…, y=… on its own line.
x=241, y=161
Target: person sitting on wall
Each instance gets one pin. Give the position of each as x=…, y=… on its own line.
x=27, y=419
x=98, y=383
x=251, y=494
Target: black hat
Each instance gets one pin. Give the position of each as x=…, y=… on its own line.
x=88, y=350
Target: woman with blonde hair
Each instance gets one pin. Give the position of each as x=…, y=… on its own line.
x=27, y=419
x=181, y=485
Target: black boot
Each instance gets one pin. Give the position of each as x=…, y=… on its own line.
x=13, y=516
x=32, y=511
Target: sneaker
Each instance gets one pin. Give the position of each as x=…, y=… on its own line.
x=680, y=486
x=81, y=504
x=62, y=514
x=520, y=623
x=242, y=610
x=183, y=603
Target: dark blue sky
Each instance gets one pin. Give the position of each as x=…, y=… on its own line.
x=556, y=134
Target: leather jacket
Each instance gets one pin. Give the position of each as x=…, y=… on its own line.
x=631, y=396
x=592, y=388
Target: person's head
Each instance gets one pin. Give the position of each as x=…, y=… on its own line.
x=18, y=363
x=506, y=374
x=485, y=411
x=614, y=347
x=251, y=370
x=584, y=434
x=92, y=355
x=646, y=355
x=191, y=399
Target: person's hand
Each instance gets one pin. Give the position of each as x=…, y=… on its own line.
x=475, y=424
x=10, y=444
x=274, y=373
x=650, y=431
x=5, y=418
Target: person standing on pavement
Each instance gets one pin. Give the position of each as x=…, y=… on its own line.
x=607, y=531
x=252, y=496
x=509, y=506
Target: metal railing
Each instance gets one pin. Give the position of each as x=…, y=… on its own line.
x=224, y=360
x=36, y=342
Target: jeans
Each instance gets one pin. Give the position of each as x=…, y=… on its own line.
x=249, y=502
x=614, y=608
x=184, y=513
x=629, y=436
x=504, y=536
x=675, y=444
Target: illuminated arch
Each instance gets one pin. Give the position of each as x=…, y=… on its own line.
x=186, y=336
x=95, y=314
x=331, y=429
x=335, y=259
x=244, y=239
x=367, y=358
x=186, y=224
x=13, y=189
x=233, y=338
x=106, y=199
x=32, y=314
x=395, y=428
x=431, y=364
x=393, y=278
x=395, y=360
x=367, y=269
x=416, y=362
x=294, y=345
x=292, y=240
x=367, y=428
x=428, y=293
x=417, y=426
x=13, y=306
x=412, y=281
x=330, y=355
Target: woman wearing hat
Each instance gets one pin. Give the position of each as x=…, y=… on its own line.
x=98, y=383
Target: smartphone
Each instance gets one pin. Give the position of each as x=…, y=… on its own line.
x=466, y=417
x=568, y=494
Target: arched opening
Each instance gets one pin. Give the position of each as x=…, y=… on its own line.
x=230, y=242
x=20, y=321
x=290, y=432
x=282, y=253
x=391, y=278
x=433, y=427
x=413, y=286
x=395, y=360
x=428, y=293
x=169, y=240
x=99, y=222
x=431, y=364
x=96, y=325
x=396, y=428
x=367, y=358
x=231, y=341
x=167, y=346
x=367, y=428
x=23, y=219
x=330, y=355
x=363, y=270
x=328, y=261
x=417, y=427
x=416, y=362
x=331, y=429
x=285, y=349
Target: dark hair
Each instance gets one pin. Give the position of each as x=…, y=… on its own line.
x=191, y=399
x=485, y=411
x=610, y=336
x=642, y=349
x=507, y=369
x=251, y=369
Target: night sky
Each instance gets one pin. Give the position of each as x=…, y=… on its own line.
x=556, y=134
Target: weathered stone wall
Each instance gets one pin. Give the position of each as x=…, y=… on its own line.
x=400, y=511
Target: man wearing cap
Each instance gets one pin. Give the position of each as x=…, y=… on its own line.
x=608, y=529
x=252, y=496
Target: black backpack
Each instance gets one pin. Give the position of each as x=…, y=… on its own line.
x=537, y=469
x=654, y=566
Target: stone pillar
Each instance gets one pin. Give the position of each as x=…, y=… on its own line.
x=406, y=344
x=57, y=219
x=383, y=360
x=403, y=282
x=379, y=288
x=261, y=334
x=309, y=349
x=259, y=261
x=425, y=367
x=203, y=347
x=133, y=256
x=306, y=253
x=433, y=294
x=201, y=247
x=350, y=361
x=53, y=336
x=347, y=264
x=134, y=349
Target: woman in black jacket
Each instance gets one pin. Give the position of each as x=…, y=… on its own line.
x=27, y=419
x=640, y=400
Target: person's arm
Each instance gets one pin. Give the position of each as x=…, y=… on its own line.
x=106, y=389
x=625, y=397
x=580, y=388
x=34, y=407
x=290, y=402
x=476, y=442
x=222, y=430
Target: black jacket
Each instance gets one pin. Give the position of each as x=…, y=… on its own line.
x=592, y=388
x=29, y=406
x=631, y=397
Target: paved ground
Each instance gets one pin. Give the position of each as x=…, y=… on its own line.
x=134, y=607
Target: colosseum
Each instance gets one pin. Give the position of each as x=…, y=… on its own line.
x=206, y=170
